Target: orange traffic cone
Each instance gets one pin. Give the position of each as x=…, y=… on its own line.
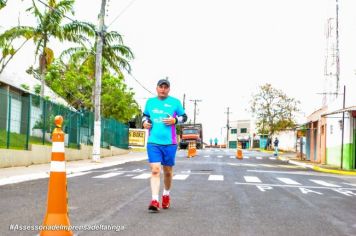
x=239, y=154
x=56, y=221
x=192, y=151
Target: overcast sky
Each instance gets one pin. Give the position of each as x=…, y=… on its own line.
x=218, y=51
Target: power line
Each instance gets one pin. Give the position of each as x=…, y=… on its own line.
x=122, y=12
x=48, y=6
x=141, y=84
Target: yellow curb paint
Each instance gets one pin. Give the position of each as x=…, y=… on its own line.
x=341, y=172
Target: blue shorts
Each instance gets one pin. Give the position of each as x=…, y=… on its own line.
x=162, y=153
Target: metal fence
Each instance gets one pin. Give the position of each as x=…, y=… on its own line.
x=26, y=119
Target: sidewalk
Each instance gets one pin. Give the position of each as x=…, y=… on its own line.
x=20, y=174
x=291, y=158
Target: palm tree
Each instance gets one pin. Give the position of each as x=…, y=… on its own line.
x=49, y=26
x=116, y=55
x=2, y=3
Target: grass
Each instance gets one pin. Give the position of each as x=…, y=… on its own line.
x=18, y=141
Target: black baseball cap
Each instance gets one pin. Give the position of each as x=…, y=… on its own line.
x=163, y=81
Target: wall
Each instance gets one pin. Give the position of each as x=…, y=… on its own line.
x=287, y=140
x=333, y=141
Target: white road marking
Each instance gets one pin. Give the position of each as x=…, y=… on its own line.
x=220, y=156
x=259, y=158
x=252, y=179
x=306, y=191
x=78, y=174
x=216, y=177
x=296, y=186
x=207, y=156
x=264, y=188
x=232, y=157
x=323, y=183
x=284, y=172
x=266, y=165
x=143, y=176
x=288, y=181
x=180, y=177
x=107, y=175
x=246, y=157
x=354, y=185
x=272, y=158
x=246, y=164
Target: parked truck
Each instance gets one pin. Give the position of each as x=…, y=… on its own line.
x=191, y=132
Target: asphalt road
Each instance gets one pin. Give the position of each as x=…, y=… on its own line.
x=213, y=194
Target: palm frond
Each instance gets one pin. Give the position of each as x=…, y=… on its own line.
x=18, y=31
x=113, y=36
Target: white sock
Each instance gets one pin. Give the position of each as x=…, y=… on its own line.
x=165, y=192
x=155, y=197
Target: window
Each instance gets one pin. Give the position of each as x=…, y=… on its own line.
x=243, y=130
x=233, y=131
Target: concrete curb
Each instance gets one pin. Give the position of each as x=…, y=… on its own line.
x=318, y=168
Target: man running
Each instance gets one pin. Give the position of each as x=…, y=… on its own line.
x=160, y=116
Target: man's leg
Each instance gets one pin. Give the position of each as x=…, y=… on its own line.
x=155, y=178
x=168, y=174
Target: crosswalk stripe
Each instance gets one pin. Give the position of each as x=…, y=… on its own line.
x=180, y=177
x=253, y=179
x=219, y=156
x=288, y=181
x=272, y=158
x=323, y=183
x=232, y=157
x=246, y=157
x=77, y=174
x=206, y=156
x=216, y=177
x=259, y=158
x=107, y=175
x=142, y=176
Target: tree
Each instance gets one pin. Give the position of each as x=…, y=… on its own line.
x=2, y=3
x=71, y=82
x=49, y=26
x=273, y=109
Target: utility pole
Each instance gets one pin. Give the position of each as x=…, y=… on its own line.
x=184, y=101
x=195, y=107
x=227, y=127
x=343, y=128
x=97, y=92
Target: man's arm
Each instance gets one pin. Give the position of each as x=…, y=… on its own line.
x=181, y=119
x=146, y=121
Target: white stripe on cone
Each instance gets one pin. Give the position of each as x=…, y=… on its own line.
x=58, y=166
x=58, y=147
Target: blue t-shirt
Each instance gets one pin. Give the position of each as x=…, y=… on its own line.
x=157, y=110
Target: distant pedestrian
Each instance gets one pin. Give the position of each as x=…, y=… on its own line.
x=211, y=142
x=276, y=141
x=216, y=142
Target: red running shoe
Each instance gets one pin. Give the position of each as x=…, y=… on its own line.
x=154, y=206
x=165, y=201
